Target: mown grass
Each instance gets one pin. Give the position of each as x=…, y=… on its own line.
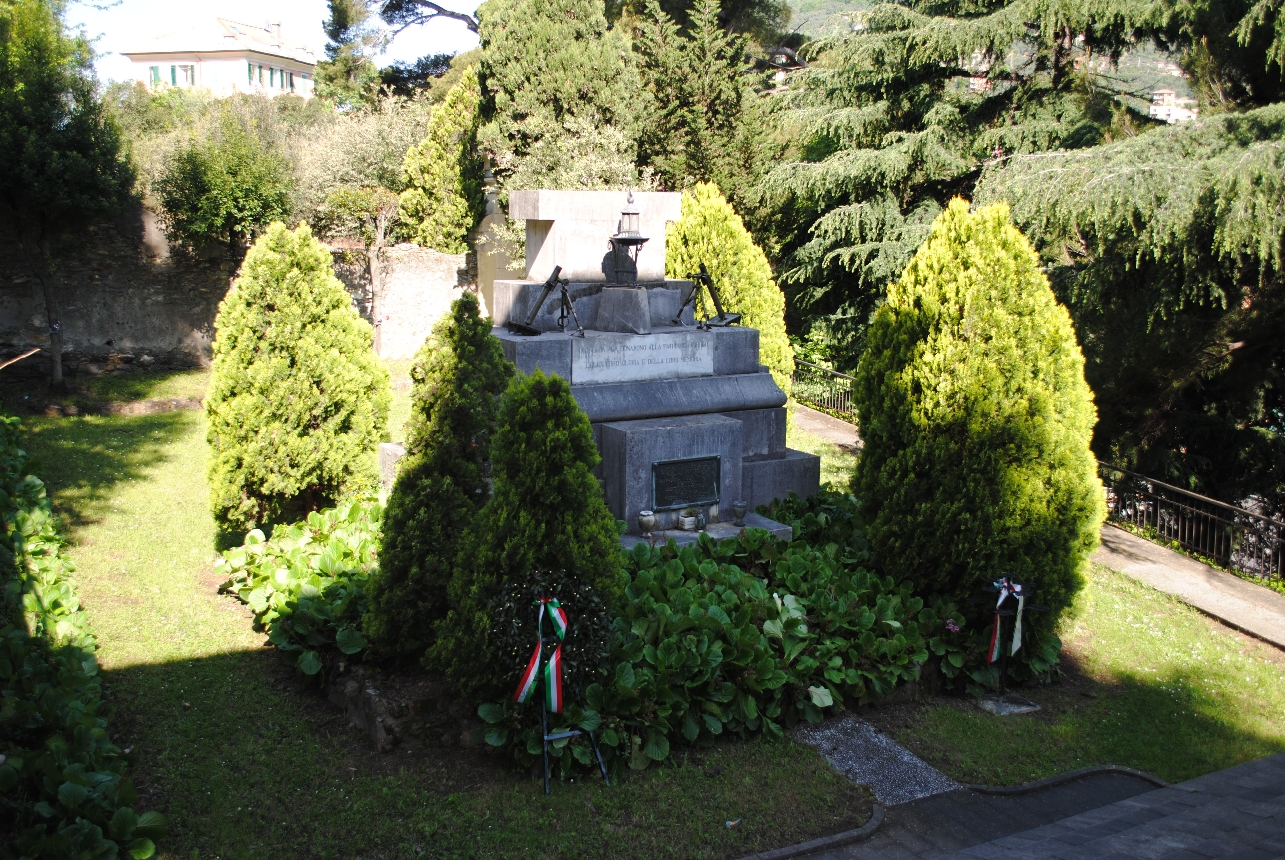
x=837, y=464
x=247, y=762
x=1151, y=683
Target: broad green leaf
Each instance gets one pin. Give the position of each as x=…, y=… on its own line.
x=309, y=663
x=821, y=697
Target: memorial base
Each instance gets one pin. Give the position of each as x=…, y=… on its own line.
x=716, y=531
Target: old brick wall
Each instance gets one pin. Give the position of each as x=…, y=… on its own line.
x=125, y=295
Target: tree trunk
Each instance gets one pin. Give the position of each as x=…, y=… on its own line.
x=376, y=289
x=35, y=247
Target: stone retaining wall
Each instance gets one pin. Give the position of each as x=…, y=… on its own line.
x=128, y=302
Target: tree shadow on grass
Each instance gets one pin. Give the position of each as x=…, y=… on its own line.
x=247, y=760
x=82, y=459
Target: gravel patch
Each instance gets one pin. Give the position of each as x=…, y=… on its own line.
x=865, y=755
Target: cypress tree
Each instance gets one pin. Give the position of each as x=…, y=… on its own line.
x=711, y=232
x=458, y=375
x=443, y=174
x=977, y=421
x=690, y=107
x=298, y=401
x=544, y=66
x=546, y=513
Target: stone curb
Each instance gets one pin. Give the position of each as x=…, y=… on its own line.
x=1069, y=776
x=847, y=837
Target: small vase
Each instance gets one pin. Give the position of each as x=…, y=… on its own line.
x=739, y=509
x=700, y=522
x=646, y=522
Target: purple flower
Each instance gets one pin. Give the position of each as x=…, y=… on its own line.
x=951, y=625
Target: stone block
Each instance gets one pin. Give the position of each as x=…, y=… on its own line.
x=736, y=350
x=389, y=455
x=762, y=432
x=768, y=479
x=551, y=353
x=570, y=229
x=669, y=397
x=623, y=309
x=612, y=357
x=630, y=448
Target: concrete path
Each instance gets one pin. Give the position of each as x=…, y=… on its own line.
x=1235, y=813
x=827, y=427
x=943, y=823
x=1255, y=610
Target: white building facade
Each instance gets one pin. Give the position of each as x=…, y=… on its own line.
x=226, y=57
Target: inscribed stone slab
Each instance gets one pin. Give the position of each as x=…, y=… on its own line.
x=633, y=358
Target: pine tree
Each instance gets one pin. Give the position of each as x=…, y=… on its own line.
x=348, y=76
x=976, y=421
x=690, y=125
x=544, y=65
x=711, y=232
x=442, y=484
x=546, y=513
x=297, y=400
x=443, y=174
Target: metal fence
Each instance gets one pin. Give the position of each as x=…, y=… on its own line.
x=1233, y=537
x=823, y=389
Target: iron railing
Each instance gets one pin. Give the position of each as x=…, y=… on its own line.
x=1230, y=536
x=823, y=389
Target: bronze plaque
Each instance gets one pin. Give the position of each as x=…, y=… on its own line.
x=682, y=483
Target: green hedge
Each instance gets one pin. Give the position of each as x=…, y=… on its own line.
x=63, y=789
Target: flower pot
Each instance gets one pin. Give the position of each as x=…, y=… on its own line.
x=646, y=522
x=687, y=524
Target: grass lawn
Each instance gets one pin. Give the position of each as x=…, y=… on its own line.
x=247, y=762
x=1150, y=683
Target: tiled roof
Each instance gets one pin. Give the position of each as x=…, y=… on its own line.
x=223, y=35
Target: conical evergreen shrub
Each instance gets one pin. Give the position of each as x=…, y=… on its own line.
x=298, y=402
x=711, y=232
x=458, y=376
x=976, y=420
x=546, y=513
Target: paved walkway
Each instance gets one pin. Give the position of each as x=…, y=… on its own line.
x=827, y=427
x=1256, y=610
x=943, y=823
x=1235, y=813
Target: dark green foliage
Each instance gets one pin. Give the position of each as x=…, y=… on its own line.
x=308, y=585
x=546, y=67
x=1176, y=287
x=546, y=513
x=691, y=118
x=442, y=482
x=223, y=189
x=742, y=636
x=894, y=120
x=298, y=401
x=63, y=789
x=586, y=654
x=976, y=421
x=61, y=160
x=408, y=79
x=763, y=20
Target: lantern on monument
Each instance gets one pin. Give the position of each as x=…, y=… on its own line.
x=628, y=241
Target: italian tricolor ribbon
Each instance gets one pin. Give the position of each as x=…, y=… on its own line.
x=553, y=668
x=1006, y=589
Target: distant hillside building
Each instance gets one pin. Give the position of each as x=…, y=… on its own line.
x=226, y=57
x=1170, y=107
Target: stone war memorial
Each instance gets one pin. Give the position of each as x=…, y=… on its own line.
x=684, y=415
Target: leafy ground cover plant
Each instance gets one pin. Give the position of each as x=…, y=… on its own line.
x=307, y=586
x=63, y=789
x=743, y=636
